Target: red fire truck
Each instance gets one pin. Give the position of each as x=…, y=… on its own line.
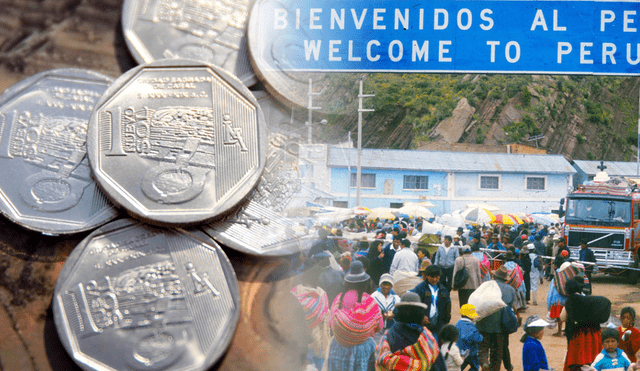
x=605, y=214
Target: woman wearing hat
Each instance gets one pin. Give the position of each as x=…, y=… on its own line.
x=583, y=315
x=355, y=318
x=386, y=299
x=407, y=345
x=516, y=279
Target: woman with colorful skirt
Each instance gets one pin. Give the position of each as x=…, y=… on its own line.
x=583, y=315
x=555, y=300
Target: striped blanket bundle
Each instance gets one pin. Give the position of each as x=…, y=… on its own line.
x=567, y=272
x=314, y=303
x=353, y=326
x=417, y=357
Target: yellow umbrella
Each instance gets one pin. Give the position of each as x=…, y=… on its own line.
x=361, y=210
x=381, y=213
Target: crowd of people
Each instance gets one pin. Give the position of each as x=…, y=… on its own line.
x=386, y=304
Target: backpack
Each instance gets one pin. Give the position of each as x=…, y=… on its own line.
x=461, y=278
x=509, y=320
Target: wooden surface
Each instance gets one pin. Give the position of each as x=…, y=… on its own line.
x=40, y=35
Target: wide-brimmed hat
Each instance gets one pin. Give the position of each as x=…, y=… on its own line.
x=468, y=310
x=501, y=273
x=535, y=322
x=509, y=255
x=356, y=273
x=524, y=250
x=410, y=298
x=410, y=309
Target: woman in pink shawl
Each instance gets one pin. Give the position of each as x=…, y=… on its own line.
x=355, y=318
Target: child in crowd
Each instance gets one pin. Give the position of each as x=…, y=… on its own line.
x=448, y=336
x=629, y=335
x=611, y=358
x=469, y=338
x=534, y=358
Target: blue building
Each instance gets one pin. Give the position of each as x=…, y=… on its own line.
x=450, y=180
x=587, y=170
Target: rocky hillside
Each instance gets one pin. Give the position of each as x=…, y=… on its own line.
x=581, y=117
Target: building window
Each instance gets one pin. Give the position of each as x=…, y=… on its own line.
x=535, y=183
x=489, y=182
x=306, y=171
x=416, y=182
x=366, y=181
x=342, y=204
x=396, y=205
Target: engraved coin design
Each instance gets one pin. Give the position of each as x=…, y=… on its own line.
x=135, y=297
x=177, y=142
x=46, y=184
x=261, y=225
x=211, y=31
x=270, y=56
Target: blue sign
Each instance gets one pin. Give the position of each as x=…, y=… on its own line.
x=547, y=37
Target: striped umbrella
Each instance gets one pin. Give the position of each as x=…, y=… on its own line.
x=478, y=215
x=507, y=219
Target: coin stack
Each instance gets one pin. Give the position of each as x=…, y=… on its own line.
x=181, y=146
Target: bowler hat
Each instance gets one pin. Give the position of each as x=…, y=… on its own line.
x=501, y=273
x=356, y=273
x=410, y=309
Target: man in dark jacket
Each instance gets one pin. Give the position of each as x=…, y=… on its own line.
x=494, y=348
x=323, y=243
x=587, y=255
x=436, y=296
x=329, y=279
x=540, y=248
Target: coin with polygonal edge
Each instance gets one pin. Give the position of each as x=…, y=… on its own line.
x=46, y=184
x=177, y=142
x=135, y=297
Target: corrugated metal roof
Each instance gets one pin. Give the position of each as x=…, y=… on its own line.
x=620, y=168
x=450, y=161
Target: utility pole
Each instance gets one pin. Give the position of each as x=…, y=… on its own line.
x=310, y=108
x=360, y=110
x=349, y=171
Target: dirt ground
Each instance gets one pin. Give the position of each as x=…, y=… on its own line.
x=616, y=289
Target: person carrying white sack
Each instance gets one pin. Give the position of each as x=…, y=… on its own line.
x=491, y=300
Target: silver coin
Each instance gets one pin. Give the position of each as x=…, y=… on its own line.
x=133, y=297
x=270, y=58
x=208, y=31
x=261, y=226
x=46, y=183
x=177, y=142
